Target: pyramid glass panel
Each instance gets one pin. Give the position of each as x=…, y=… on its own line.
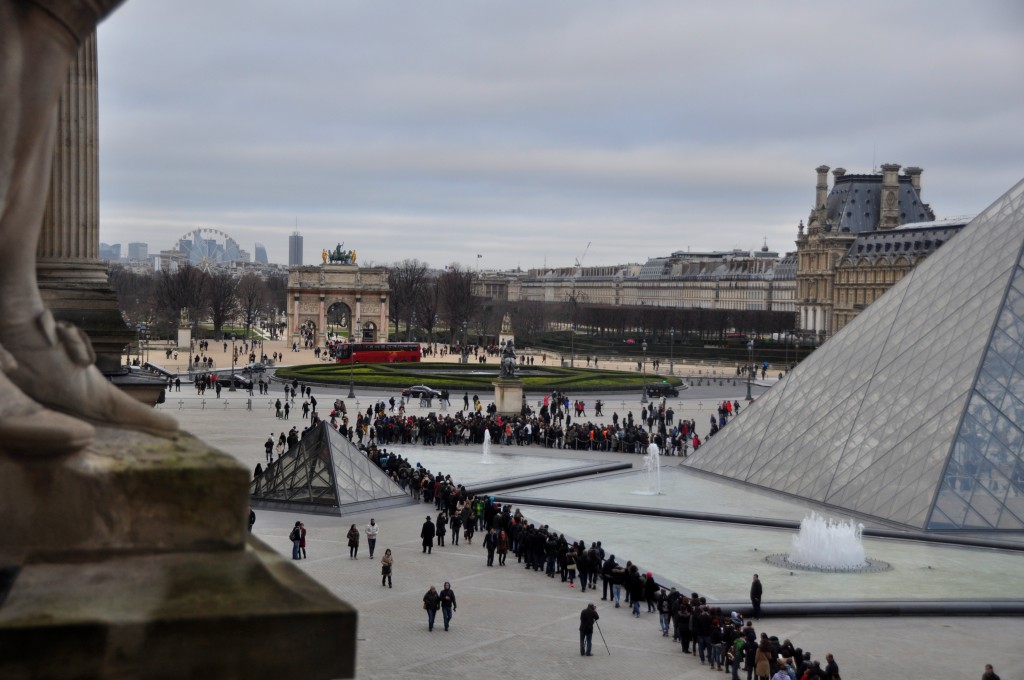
x=914, y=412
x=324, y=470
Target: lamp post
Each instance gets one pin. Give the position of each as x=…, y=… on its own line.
x=750, y=366
x=671, y=350
x=411, y=324
x=231, y=388
x=465, y=349
x=643, y=388
x=352, y=361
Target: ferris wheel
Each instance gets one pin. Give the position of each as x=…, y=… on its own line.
x=206, y=248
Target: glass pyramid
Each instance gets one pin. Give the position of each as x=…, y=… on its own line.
x=324, y=473
x=914, y=412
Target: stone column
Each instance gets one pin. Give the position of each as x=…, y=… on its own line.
x=382, y=324
x=321, y=330
x=72, y=279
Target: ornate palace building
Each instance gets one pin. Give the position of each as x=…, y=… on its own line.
x=861, y=238
x=739, y=279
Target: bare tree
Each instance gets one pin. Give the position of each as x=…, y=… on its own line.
x=406, y=280
x=185, y=289
x=223, y=300
x=458, y=304
x=252, y=296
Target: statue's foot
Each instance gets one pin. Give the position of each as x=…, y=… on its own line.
x=26, y=428
x=55, y=367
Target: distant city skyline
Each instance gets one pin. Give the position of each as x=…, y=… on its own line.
x=523, y=131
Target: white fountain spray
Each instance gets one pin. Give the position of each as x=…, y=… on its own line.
x=486, y=458
x=828, y=544
x=652, y=470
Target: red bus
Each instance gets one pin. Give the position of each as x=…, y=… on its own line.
x=376, y=352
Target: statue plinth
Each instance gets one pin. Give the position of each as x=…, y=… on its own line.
x=132, y=559
x=508, y=396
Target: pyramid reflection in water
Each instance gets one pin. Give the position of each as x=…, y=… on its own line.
x=914, y=412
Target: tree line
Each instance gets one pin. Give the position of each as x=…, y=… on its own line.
x=160, y=300
x=431, y=304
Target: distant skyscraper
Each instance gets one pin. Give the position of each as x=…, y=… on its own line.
x=295, y=250
x=261, y=254
x=138, y=251
x=110, y=252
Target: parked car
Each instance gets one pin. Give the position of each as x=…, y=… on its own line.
x=661, y=389
x=254, y=368
x=421, y=391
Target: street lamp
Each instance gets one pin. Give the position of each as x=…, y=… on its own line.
x=232, y=387
x=465, y=349
x=671, y=349
x=411, y=324
x=643, y=389
x=352, y=361
x=750, y=366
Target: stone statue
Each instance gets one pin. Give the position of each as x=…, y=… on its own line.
x=508, y=360
x=50, y=389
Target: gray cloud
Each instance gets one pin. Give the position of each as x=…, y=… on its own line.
x=523, y=130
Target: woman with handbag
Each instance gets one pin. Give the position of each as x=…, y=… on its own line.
x=386, y=565
x=353, y=542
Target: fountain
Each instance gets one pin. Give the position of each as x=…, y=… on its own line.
x=652, y=471
x=486, y=458
x=828, y=545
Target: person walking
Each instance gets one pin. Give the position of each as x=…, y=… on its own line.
x=427, y=535
x=441, y=528
x=448, y=604
x=430, y=603
x=353, y=542
x=302, y=539
x=387, y=564
x=587, y=618
x=491, y=545
x=502, y=548
x=372, y=529
x=755, y=596
x=294, y=537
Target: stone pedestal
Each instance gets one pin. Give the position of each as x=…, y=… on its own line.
x=184, y=340
x=508, y=397
x=132, y=559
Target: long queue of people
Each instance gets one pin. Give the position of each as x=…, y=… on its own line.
x=723, y=642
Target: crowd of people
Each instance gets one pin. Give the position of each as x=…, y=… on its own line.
x=724, y=642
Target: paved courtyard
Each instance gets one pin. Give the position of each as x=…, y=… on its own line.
x=518, y=623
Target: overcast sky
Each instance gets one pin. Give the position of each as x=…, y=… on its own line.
x=522, y=130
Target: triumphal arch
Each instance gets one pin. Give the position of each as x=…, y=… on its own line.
x=335, y=296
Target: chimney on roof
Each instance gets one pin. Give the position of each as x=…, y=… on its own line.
x=821, y=192
x=838, y=172
x=889, y=214
x=915, y=178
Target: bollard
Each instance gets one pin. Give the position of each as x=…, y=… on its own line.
x=181, y=404
x=203, y=407
x=248, y=404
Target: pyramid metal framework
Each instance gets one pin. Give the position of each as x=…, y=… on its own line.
x=324, y=473
x=914, y=412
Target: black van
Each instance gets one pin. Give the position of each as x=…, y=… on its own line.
x=661, y=389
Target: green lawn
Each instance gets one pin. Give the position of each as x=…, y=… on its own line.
x=469, y=377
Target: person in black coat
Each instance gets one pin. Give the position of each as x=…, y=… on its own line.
x=755, y=596
x=427, y=534
x=587, y=618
